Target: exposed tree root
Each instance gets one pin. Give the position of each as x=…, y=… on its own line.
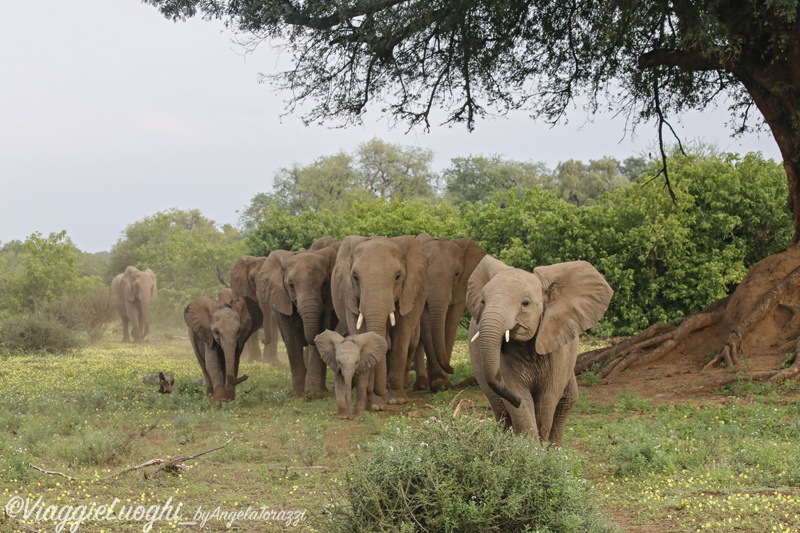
x=764, y=312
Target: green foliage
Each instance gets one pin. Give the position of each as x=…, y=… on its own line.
x=35, y=332
x=183, y=249
x=579, y=184
x=475, y=178
x=465, y=474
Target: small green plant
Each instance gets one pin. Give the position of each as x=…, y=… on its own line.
x=465, y=474
x=589, y=378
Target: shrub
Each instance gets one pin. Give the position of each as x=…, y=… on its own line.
x=465, y=474
x=36, y=331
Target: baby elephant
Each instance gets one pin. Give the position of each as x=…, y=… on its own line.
x=218, y=332
x=353, y=360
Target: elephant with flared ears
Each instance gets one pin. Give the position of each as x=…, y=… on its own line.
x=218, y=333
x=243, y=283
x=297, y=286
x=524, y=339
x=353, y=360
x=135, y=291
x=379, y=285
x=450, y=264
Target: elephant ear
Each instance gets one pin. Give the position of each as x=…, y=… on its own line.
x=373, y=350
x=415, y=285
x=198, y=317
x=153, y=289
x=326, y=344
x=341, y=280
x=251, y=318
x=486, y=270
x=424, y=238
x=473, y=254
x=240, y=275
x=129, y=283
x=575, y=298
x=271, y=276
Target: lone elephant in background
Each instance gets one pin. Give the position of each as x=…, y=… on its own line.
x=134, y=291
x=297, y=286
x=218, y=332
x=524, y=339
x=243, y=283
x=450, y=264
x=353, y=361
x=379, y=285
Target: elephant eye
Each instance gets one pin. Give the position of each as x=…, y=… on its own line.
x=526, y=302
x=291, y=285
x=457, y=274
x=355, y=278
x=397, y=276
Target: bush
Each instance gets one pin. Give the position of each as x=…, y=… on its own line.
x=465, y=474
x=36, y=331
x=90, y=313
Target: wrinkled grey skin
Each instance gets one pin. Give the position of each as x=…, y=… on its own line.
x=530, y=379
x=353, y=361
x=134, y=291
x=243, y=283
x=297, y=286
x=378, y=277
x=450, y=264
x=218, y=333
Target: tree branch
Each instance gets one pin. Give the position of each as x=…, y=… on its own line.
x=683, y=59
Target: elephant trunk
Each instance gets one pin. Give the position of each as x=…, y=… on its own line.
x=348, y=393
x=438, y=317
x=229, y=349
x=376, y=307
x=310, y=313
x=492, y=329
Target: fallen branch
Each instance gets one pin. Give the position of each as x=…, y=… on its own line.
x=163, y=464
x=298, y=467
x=22, y=524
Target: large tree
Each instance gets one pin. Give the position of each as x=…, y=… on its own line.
x=455, y=61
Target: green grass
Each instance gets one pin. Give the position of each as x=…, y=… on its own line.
x=87, y=414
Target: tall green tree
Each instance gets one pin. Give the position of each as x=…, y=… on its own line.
x=476, y=178
x=395, y=172
x=579, y=183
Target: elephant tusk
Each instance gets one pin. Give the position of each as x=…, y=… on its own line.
x=508, y=335
x=360, y=321
x=391, y=318
x=475, y=337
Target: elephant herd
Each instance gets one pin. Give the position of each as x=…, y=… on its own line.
x=367, y=307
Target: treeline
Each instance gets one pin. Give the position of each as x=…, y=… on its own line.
x=663, y=259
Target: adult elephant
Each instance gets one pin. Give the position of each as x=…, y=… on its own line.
x=524, y=339
x=218, y=332
x=450, y=264
x=297, y=286
x=379, y=285
x=243, y=283
x=135, y=291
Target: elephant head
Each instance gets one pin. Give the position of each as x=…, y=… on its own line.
x=325, y=242
x=243, y=275
x=218, y=333
x=350, y=357
x=548, y=308
x=378, y=278
x=300, y=280
x=135, y=291
x=450, y=265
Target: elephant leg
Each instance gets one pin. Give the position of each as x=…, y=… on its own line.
x=125, y=336
x=523, y=418
x=251, y=351
x=565, y=405
x=315, y=373
x=294, y=350
x=361, y=382
x=341, y=402
x=396, y=361
x=374, y=401
x=438, y=376
x=133, y=317
x=421, y=369
x=270, y=353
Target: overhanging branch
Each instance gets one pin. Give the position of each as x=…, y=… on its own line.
x=684, y=59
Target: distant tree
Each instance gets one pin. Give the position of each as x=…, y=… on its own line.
x=476, y=178
x=634, y=166
x=324, y=184
x=579, y=183
x=395, y=172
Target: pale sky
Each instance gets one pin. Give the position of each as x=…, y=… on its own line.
x=110, y=113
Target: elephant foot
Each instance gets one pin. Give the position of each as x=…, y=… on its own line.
x=296, y=393
x=441, y=384
x=394, y=397
x=314, y=394
x=342, y=414
x=421, y=383
x=376, y=403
